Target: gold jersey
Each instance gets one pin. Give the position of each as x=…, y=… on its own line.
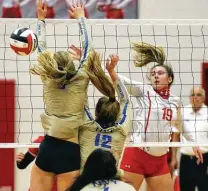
x=64, y=107
x=92, y=135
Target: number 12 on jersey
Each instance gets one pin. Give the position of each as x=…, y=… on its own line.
x=103, y=141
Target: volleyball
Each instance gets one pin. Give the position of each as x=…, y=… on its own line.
x=23, y=41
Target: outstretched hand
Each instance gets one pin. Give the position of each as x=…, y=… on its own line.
x=75, y=52
x=110, y=65
x=41, y=10
x=76, y=10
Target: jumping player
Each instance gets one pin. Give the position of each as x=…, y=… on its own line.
x=156, y=113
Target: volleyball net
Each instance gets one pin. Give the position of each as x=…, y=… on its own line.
x=185, y=43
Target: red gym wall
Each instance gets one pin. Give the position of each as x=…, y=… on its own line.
x=7, y=130
x=205, y=79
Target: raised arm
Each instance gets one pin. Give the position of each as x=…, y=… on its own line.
x=124, y=118
x=125, y=106
x=79, y=15
x=41, y=29
x=85, y=41
x=134, y=88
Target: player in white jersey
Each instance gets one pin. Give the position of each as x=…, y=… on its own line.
x=100, y=174
x=112, y=120
x=70, y=2
x=11, y=9
x=113, y=8
x=157, y=112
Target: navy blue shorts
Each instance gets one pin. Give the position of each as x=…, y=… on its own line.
x=58, y=156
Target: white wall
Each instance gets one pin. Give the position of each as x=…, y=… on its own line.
x=173, y=9
x=107, y=38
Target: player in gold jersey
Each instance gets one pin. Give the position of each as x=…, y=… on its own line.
x=111, y=125
x=65, y=92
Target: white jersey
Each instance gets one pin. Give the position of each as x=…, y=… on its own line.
x=50, y=3
x=10, y=3
x=155, y=116
x=108, y=185
x=195, y=123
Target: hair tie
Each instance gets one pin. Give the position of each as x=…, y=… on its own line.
x=68, y=76
x=60, y=68
x=112, y=99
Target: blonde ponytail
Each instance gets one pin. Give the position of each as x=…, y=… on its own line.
x=97, y=75
x=146, y=53
x=107, y=108
x=58, y=67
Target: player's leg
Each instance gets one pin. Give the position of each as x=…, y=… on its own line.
x=60, y=157
x=65, y=180
x=134, y=179
x=157, y=173
x=133, y=170
x=41, y=180
x=66, y=162
x=42, y=174
x=160, y=183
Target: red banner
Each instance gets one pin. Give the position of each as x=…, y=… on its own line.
x=7, y=132
x=204, y=80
